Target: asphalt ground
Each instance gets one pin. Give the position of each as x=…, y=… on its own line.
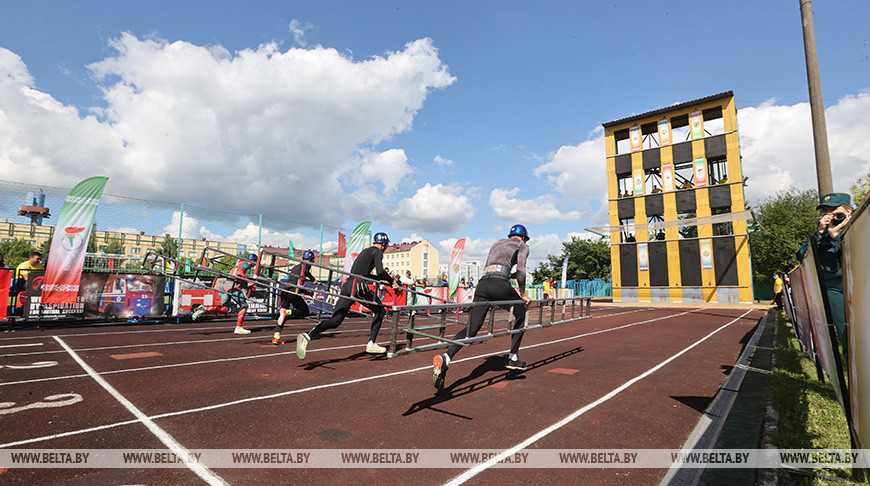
x=627, y=378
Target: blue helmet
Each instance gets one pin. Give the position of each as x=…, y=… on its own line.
x=308, y=255
x=382, y=238
x=519, y=230
x=253, y=257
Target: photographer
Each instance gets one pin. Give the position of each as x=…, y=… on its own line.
x=836, y=209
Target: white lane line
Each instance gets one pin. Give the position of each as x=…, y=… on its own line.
x=469, y=474
x=267, y=355
x=203, y=472
x=330, y=385
x=21, y=345
x=177, y=329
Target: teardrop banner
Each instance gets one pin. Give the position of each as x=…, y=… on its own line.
x=455, y=262
x=66, y=258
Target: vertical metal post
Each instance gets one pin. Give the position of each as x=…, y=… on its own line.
x=817, y=106
x=180, y=222
x=491, y=324
x=410, y=335
x=394, y=335
x=260, y=236
x=321, y=244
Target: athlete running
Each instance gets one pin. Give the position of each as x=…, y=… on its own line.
x=234, y=295
x=495, y=286
x=372, y=258
x=292, y=296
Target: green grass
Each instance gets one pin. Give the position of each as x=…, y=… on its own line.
x=810, y=416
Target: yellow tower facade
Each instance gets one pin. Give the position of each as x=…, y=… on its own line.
x=678, y=229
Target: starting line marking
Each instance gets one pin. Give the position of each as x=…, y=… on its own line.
x=203, y=472
x=21, y=345
x=474, y=471
x=147, y=354
x=317, y=387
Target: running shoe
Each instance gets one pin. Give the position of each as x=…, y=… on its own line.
x=302, y=340
x=198, y=312
x=375, y=349
x=277, y=342
x=439, y=370
x=516, y=364
x=241, y=330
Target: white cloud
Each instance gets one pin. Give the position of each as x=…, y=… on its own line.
x=442, y=162
x=541, y=209
x=258, y=130
x=248, y=233
x=387, y=168
x=577, y=172
x=298, y=29
x=412, y=238
x=776, y=142
x=438, y=208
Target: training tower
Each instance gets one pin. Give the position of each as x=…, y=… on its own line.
x=678, y=230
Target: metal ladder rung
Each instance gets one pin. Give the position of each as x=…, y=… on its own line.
x=438, y=338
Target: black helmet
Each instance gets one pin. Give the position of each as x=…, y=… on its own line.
x=382, y=238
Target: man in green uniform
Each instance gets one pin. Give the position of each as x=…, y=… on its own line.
x=836, y=208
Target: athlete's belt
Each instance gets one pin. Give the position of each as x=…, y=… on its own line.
x=502, y=271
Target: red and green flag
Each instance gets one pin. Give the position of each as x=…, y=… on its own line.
x=63, y=270
x=455, y=262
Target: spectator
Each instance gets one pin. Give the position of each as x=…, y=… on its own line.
x=470, y=282
x=32, y=263
x=407, y=280
x=444, y=280
x=462, y=283
x=20, y=277
x=836, y=209
x=547, y=286
x=777, y=290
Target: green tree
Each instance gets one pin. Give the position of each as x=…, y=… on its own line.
x=15, y=251
x=783, y=221
x=860, y=188
x=115, y=247
x=92, y=240
x=587, y=259
x=169, y=247
x=225, y=264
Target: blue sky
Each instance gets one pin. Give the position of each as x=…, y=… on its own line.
x=438, y=120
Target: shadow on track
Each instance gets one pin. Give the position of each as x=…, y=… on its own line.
x=324, y=363
x=463, y=386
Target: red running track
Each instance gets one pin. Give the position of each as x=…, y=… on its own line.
x=622, y=379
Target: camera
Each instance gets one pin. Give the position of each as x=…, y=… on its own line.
x=838, y=218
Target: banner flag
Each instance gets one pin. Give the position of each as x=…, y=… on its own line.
x=453, y=271
x=291, y=251
x=342, y=244
x=565, y=272
x=636, y=140
x=358, y=241
x=664, y=132
x=66, y=257
x=696, y=120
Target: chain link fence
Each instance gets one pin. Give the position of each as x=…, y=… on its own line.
x=126, y=228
